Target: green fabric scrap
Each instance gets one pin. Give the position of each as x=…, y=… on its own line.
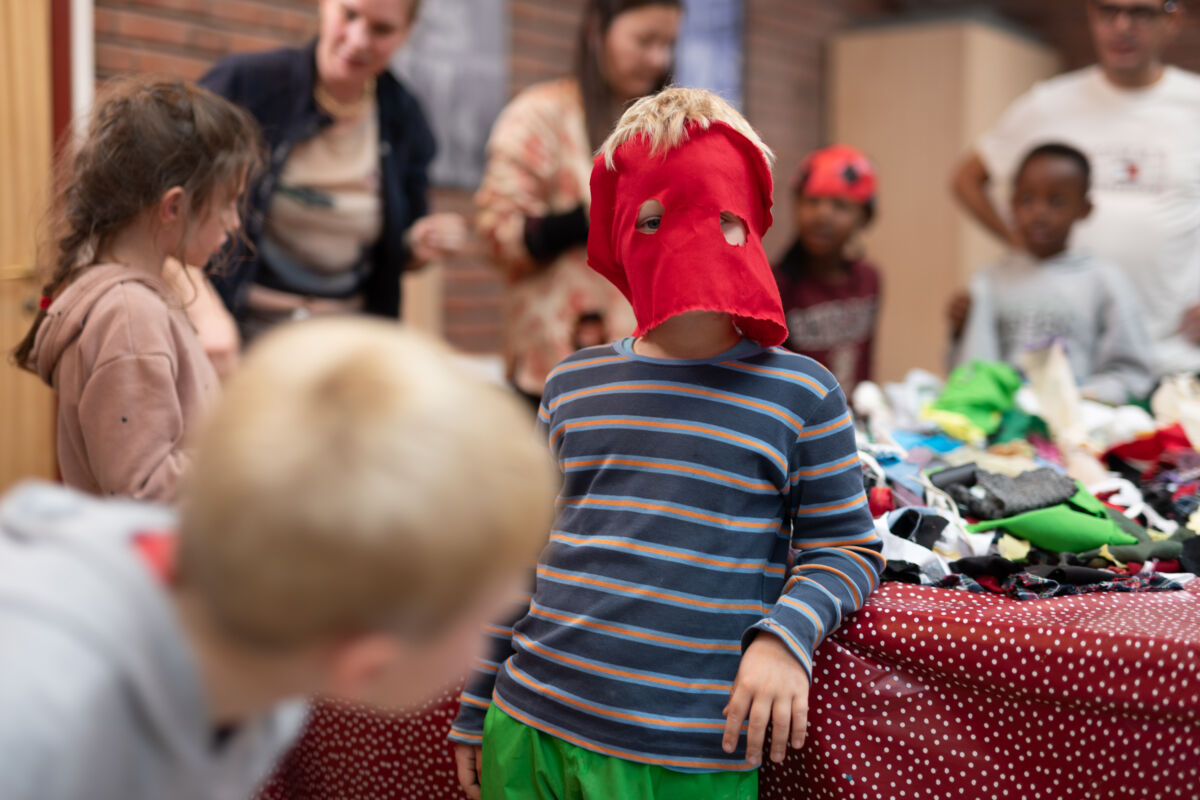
x=1169, y=549
x=980, y=392
x=1082, y=523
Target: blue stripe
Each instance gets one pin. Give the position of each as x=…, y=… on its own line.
x=672, y=510
x=665, y=469
x=683, y=601
x=655, y=425
x=757, y=564
x=805, y=510
x=594, y=667
x=681, y=390
x=696, y=644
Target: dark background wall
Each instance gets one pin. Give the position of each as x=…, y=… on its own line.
x=784, y=78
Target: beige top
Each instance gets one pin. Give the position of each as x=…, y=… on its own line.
x=132, y=378
x=328, y=205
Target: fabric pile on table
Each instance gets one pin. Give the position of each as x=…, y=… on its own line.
x=981, y=484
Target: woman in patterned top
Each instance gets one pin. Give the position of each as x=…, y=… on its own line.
x=534, y=195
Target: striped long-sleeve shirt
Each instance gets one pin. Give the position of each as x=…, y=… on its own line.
x=684, y=483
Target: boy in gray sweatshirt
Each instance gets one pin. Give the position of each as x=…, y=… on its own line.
x=322, y=547
x=1048, y=291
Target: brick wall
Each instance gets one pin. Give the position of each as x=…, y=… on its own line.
x=184, y=37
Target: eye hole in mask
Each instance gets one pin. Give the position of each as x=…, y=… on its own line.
x=649, y=217
x=734, y=228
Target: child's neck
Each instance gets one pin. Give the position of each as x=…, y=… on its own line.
x=690, y=336
x=136, y=246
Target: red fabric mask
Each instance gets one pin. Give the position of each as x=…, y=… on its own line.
x=687, y=264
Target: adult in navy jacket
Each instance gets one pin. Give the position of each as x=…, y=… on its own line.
x=341, y=208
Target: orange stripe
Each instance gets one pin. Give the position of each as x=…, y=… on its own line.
x=783, y=634
x=872, y=576
x=541, y=612
x=836, y=507
x=541, y=689
x=641, y=548
x=681, y=389
x=801, y=607
x=471, y=701
x=808, y=473
x=609, y=751
x=674, y=426
x=588, y=501
x=831, y=426
x=575, y=662
x=498, y=631
x=632, y=462
x=869, y=551
x=479, y=666
x=588, y=363
x=474, y=737
x=779, y=373
x=845, y=545
x=853, y=589
x=648, y=593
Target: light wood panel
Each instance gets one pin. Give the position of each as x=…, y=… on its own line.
x=915, y=97
x=26, y=406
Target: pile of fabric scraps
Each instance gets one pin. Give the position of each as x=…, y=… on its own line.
x=982, y=484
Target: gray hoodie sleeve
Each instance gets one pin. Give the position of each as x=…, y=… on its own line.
x=1121, y=368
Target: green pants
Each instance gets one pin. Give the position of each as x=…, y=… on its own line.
x=522, y=763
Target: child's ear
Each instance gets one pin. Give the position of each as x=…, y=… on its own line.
x=1086, y=211
x=358, y=665
x=171, y=207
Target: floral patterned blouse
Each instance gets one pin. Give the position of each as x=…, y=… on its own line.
x=540, y=163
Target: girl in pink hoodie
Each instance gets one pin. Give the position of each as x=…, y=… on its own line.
x=159, y=175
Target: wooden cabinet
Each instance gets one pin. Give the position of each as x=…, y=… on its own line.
x=26, y=405
x=915, y=96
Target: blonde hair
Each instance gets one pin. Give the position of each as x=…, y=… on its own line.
x=355, y=477
x=663, y=119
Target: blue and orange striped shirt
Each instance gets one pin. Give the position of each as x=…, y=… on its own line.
x=702, y=501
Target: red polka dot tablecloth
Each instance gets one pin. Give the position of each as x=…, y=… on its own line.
x=925, y=693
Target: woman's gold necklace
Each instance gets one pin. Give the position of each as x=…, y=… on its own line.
x=339, y=110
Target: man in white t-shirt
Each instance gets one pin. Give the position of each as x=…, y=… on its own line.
x=1138, y=121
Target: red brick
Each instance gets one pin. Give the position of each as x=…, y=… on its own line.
x=180, y=66
x=151, y=28
x=114, y=58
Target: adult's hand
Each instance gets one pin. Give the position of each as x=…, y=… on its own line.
x=970, y=187
x=437, y=236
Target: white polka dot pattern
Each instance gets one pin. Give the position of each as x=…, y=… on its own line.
x=925, y=693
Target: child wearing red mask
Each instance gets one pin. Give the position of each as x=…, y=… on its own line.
x=831, y=298
x=694, y=454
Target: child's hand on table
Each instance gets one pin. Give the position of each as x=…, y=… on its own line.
x=468, y=759
x=771, y=687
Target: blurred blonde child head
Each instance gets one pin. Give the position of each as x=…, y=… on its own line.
x=356, y=486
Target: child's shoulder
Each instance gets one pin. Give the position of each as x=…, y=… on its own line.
x=132, y=314
x=783, y=376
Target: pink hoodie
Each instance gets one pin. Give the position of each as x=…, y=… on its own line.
x=132, y=381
